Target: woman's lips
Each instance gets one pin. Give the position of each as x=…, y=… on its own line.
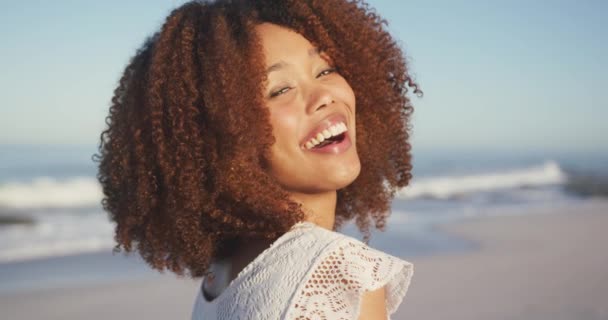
x=323, y=125
x=335, y=147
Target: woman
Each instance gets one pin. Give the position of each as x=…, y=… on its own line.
x=241, y=135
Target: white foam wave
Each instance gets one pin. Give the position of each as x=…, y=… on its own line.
x=548, y=173
x=53, y=249
x=46, y=192
x=56, y=235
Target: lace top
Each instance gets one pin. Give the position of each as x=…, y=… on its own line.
x=308, y=273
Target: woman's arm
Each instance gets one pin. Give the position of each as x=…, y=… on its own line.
x=373, y=305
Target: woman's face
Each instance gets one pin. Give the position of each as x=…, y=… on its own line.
x=312, y=112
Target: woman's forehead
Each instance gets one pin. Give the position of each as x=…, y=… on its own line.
x=281, y=44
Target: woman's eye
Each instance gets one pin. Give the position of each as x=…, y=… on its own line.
x=279, y=92
x=326, y=72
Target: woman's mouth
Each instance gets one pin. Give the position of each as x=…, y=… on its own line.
x=329, y=135
x=331, y=140
x=333, y=145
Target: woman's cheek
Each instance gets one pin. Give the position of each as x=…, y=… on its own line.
x=284, y=122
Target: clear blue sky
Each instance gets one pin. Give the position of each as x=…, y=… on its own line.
x=526, y=74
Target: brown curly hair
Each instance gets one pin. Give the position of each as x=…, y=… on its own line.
x=182, y=161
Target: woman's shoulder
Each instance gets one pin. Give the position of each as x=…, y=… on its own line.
x=345, y=250
x=342, y=272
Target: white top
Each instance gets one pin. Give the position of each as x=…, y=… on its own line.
x=308, y=273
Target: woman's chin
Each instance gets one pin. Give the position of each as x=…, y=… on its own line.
x=342, y=176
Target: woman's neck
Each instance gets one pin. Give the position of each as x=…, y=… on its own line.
x=319, y=209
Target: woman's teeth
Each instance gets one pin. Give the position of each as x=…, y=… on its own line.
x=332, y=131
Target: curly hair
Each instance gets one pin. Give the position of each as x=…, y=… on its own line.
x=183, y=159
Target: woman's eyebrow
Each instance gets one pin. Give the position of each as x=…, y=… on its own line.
x=277, y=66
x=314, y=52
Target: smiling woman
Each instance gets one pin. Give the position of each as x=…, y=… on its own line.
x=242, y=135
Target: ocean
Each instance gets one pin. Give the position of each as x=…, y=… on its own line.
x=50, y=210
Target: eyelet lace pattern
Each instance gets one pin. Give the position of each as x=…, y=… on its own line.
x=333, y=289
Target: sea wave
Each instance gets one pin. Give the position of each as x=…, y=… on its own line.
x=47, y=192
x=54, y=248
x=445, y=187
x=55, y=235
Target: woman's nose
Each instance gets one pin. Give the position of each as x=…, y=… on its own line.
x=318, y=98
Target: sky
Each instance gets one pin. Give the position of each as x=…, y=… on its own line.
x=516, y=75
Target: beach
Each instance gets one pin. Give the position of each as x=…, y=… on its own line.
x=543, y=264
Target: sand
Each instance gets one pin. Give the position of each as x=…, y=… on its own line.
x=542, y=265
x=161, y=297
